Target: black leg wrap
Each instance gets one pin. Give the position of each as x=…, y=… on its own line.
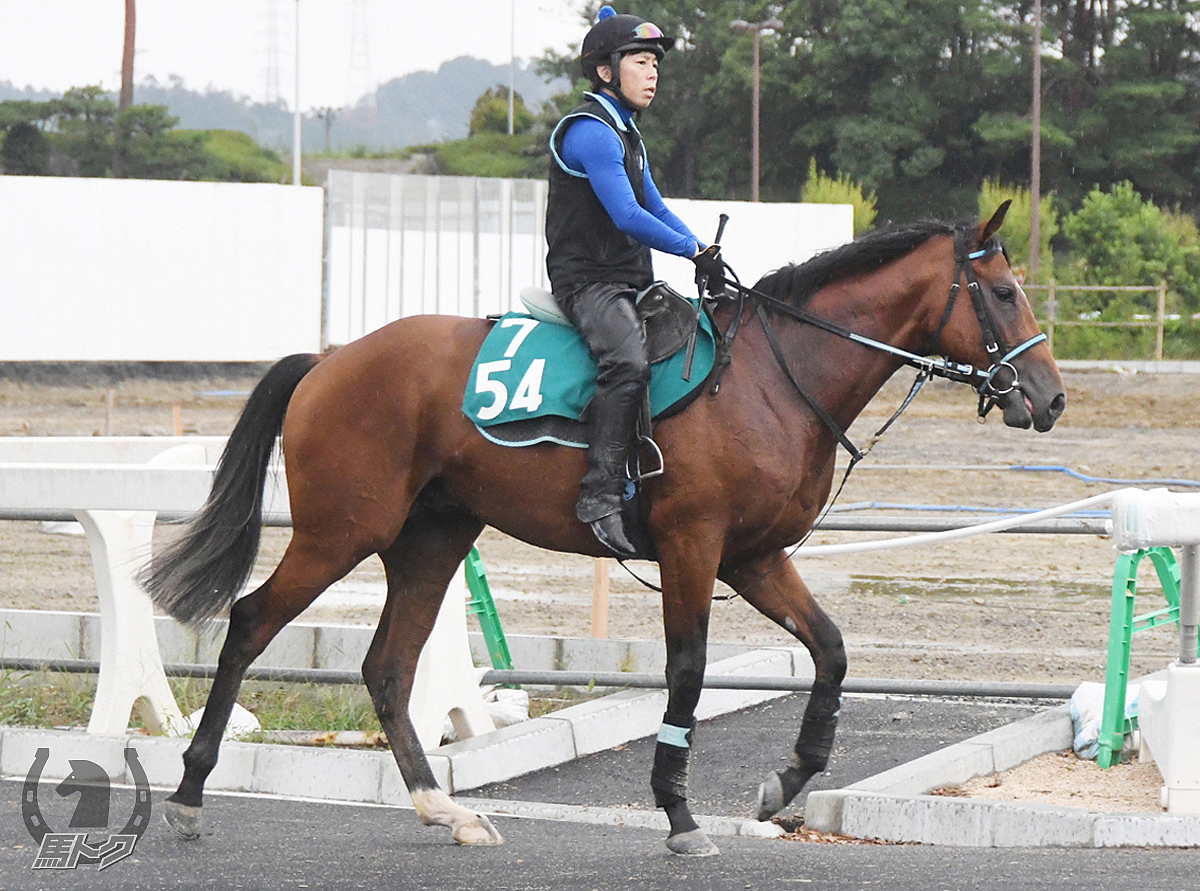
x=811, y=754
x=669, y=778
x=818, y=728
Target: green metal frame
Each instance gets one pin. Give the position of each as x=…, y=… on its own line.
x=482, y=606
x=1123, y=624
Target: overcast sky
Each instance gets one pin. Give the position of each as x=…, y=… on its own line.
x=227, y=44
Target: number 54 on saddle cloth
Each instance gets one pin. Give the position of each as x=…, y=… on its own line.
x=532, y=381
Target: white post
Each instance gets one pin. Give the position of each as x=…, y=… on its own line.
x=1189, y=603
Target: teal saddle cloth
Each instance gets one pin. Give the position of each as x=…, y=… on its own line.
x=532, y=381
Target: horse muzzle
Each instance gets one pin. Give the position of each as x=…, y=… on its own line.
x=1027, y=405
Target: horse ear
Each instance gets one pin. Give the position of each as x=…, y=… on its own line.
x=992, y=226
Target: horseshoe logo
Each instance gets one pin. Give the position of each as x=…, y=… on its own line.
x=85, y=773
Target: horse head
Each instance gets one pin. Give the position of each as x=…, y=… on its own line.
x=1001, y=334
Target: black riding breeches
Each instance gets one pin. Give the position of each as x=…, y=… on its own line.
x=605, y=316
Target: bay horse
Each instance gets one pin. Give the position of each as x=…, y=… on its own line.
x=380, y=459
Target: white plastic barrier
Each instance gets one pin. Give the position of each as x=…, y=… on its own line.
x=1169, y=707
x=115, y=487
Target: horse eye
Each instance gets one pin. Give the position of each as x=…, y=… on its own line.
x=1005, y=294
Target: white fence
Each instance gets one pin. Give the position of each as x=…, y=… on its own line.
x=136, y=270
x=141, y=270
x=403, y=245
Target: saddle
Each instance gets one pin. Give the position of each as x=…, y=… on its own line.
x=669, y=317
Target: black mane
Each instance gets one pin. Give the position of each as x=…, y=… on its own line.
x=876, y=249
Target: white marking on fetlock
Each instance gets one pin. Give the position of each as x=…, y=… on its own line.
x=435, y=808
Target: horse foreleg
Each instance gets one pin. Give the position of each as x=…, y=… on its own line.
x=774, y=587
x=419, y=565
x=254, y=620
x=687, y=601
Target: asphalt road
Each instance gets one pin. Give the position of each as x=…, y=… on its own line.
x=258, y=843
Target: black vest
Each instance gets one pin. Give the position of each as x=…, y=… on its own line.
x=584, y=244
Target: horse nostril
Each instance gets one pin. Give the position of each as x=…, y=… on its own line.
x=1058, y=404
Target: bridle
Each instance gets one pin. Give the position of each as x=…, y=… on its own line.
x=993, y=340
x=984, y=382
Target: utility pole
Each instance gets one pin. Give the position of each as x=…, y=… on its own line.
x=512, y=63
x=755, y=29
x=1035, y=159
x=327, y=115
x=126, y=98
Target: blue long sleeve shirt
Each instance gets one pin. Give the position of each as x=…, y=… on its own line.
x=591, y=147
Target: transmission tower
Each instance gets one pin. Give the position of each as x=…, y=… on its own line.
x=272, y=94
x=360, y=82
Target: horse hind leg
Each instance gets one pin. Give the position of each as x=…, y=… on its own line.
x=774, y=587
x=419, y=566
x=254, y=621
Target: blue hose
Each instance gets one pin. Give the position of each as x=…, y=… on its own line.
x=1034, y=468
x=1074, y=474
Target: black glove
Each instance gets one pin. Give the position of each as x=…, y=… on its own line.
x=710, y=269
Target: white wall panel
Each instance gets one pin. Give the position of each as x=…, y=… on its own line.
x=147, y=270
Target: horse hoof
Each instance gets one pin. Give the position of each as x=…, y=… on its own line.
x=479, y=831
x=186, y=821
x=692, y=844
x=771, y=798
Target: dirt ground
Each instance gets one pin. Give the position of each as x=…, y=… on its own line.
x=1003, y=607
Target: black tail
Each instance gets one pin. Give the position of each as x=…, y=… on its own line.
x=199, y=575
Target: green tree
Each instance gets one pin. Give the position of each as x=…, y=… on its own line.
x=25, y=151
x=490, y=114
x=922, y=100
x=85, y=129
x=149, y=149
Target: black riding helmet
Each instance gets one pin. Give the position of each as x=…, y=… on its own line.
x=612, y=37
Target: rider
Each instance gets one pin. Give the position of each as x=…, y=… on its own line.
x=603, y=216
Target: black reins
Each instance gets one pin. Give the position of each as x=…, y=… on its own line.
x=929, y=366
x=926, y=366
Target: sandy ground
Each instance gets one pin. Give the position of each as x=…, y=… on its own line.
x=1003, y=607
x=1062, y=780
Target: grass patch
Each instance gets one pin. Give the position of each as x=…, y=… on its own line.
x=61, y=699
x=46, y=699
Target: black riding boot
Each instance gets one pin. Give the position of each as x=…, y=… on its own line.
x=604, y=314
x=612, y=420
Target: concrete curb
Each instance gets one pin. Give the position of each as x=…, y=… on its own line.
x=613, y=816
x=371, y=776
x=50, y=634
x=892, y=806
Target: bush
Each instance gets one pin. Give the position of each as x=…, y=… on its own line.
x=235, y=157
x=1016, y=232
x=1118, y=238
x=821, y=189
x=493, y=154
x=25, y=151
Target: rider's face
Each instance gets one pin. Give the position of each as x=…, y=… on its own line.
x=639, y=78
